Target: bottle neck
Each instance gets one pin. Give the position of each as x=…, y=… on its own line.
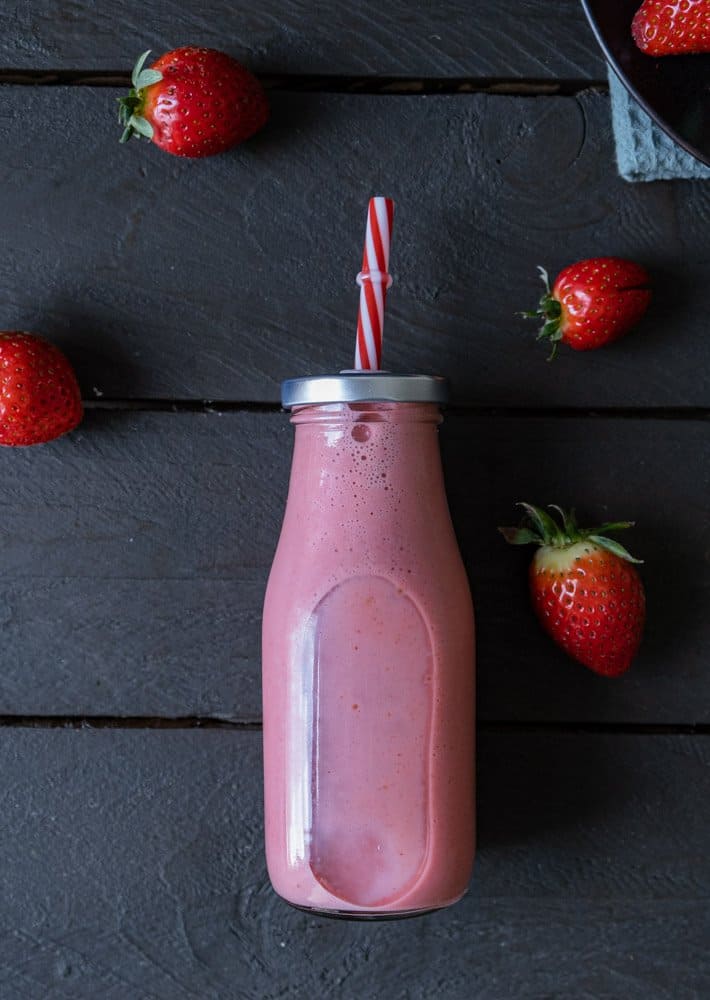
x=368, y=456
x=346, y=414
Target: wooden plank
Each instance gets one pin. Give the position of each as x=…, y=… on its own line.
x=216, y=280
x=135, y=552
x=505, y=39
x=134, y=560
x=133, y=867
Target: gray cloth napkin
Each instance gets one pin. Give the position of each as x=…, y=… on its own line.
x=643, y=151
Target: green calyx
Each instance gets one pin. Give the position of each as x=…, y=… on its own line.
x=549, y=311
x=130, y=108
x=540, y=528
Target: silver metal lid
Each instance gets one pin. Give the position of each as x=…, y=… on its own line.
x=363, y=387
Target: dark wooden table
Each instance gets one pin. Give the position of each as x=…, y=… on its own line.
x=135, y=551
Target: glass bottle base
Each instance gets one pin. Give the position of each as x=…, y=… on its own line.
x=363, y=915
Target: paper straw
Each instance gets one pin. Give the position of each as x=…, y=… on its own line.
x=374, y=282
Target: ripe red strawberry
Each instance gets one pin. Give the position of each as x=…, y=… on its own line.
x=585, y=592
x=666, y=28
x=592, y=302
x=39, y=394
x=193, y=102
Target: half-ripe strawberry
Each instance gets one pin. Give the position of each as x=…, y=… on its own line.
x=592, y=302
x=664, y=28
x=193, y=102
x=39, y=393
x=585, y=591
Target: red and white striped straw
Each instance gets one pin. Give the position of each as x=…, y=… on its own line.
x=374, y=282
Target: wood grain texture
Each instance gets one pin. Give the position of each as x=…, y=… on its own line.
x=133, y=868
x=134, y=554
x=454, y=38
x=216, y=280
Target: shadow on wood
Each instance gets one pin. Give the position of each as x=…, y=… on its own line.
x=529, y=792
x=92, y=349
x=674, y=281
x=676, y=613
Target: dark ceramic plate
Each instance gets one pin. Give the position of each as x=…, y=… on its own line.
x=674, y=90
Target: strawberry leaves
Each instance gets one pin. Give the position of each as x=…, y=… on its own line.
x=131, y=106
x=540, y=528
x=136, y=125
x=611, y=545
x=550, y=311
x=140, y=77
x=520, y=536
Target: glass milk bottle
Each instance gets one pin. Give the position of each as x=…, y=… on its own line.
x=368, y=658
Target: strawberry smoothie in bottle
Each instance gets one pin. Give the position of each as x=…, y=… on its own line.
x=368, y=644
x=368, y=658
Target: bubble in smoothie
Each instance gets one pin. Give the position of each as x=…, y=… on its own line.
x=360, y=433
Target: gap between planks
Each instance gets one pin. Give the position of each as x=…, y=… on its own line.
x=329, y=84
x=207, y=722
x=514, y=412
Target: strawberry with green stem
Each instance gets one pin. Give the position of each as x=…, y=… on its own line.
x=193, y=102
x=584, y=587
x=592, y=303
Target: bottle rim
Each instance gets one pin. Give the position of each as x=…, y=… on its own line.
x=364, y=387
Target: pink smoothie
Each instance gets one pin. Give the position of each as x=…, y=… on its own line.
x=368, y=671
